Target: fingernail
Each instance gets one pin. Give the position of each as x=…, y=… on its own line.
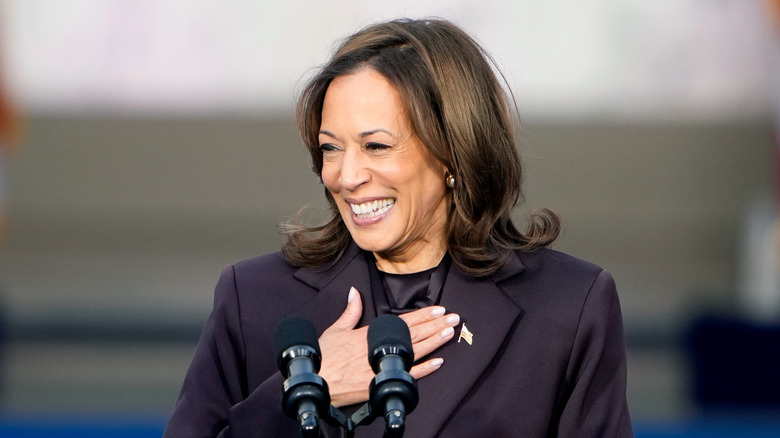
x=438, y=311
x=446, y=333
x=351, y=296
x=452, y=319
x=436, y=363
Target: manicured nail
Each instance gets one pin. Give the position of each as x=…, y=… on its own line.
x=452, y=319
x=351, y=296
x=446, y=333
x=436, y=363
x=438, y=311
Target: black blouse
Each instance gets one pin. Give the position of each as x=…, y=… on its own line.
x=402, y=293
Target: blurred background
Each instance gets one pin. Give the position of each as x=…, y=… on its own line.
x=145, y=144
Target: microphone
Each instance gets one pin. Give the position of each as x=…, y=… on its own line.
x=298, y=358
x=393, y=392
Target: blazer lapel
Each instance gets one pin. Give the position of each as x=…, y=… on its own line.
x=489, y=315
x=333, y=286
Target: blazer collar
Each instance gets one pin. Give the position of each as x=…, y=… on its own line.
x=319, y=278
x=488, y=313
x=333, y=284
x=513, y=266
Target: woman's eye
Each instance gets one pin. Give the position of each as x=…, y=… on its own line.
x=376, y=146
x=327, y=147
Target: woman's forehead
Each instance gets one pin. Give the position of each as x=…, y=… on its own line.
x=363, y=103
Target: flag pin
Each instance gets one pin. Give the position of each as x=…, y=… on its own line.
x=466, y=335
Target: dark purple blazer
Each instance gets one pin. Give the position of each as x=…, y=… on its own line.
x=547, y=359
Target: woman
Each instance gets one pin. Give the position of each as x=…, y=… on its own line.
x=411, y=134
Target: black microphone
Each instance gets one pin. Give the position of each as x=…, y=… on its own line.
x=298, y=357
x=393, y=392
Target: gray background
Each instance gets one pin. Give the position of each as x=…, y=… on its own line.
x=119, y=228
x=160, y=147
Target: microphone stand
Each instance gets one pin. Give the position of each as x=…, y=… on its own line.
x=335, y=417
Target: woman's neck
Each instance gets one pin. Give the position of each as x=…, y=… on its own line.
x=426, y=257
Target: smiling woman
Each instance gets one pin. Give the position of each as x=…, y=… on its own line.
x=370, y=155
x=412, y=136
x=454, y=105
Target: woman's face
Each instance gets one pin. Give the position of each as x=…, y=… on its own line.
x=389, y=189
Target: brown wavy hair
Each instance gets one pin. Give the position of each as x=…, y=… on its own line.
x=461, y=114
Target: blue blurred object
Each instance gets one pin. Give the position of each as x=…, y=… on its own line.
x=712, y=426
x=736, y=364
x=53, y=427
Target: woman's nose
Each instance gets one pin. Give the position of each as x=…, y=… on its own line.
x=354, y=170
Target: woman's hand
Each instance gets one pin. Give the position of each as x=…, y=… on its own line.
x=345, y=349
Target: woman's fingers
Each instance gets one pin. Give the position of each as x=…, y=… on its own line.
x=430, y=328
x=432, y=343
x=424, y=322
x=423, y=315
x=423, y=369
x=425, y=330
x=349, y=319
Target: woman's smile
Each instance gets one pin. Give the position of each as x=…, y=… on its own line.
x=368, y=212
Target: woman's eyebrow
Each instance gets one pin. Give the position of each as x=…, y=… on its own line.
x=328, y=133
x=363, y=134
x=374, y=131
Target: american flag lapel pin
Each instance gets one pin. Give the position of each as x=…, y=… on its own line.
x=466, y=335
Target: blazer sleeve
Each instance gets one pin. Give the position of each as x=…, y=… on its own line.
x=214, y=399
x=596, y=405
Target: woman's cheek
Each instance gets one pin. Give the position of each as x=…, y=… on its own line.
x=329, y=178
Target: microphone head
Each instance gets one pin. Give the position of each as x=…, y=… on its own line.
x=389, y=334
x=293, y=331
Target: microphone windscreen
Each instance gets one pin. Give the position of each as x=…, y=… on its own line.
x=295, y=330
x=388, y=330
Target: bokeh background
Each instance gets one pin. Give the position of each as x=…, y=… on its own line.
x=145, y=144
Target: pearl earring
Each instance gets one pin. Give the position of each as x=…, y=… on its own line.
x=449, y=179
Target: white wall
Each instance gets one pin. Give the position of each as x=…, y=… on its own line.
x=606, y=58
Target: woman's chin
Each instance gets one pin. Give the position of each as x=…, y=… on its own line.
x=374, y=240
x=367, y=244
x=370, y=233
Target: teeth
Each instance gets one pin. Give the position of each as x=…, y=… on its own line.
x=372, y=208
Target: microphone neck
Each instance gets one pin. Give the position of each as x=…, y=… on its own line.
x=391, y=362
x=301, y=364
